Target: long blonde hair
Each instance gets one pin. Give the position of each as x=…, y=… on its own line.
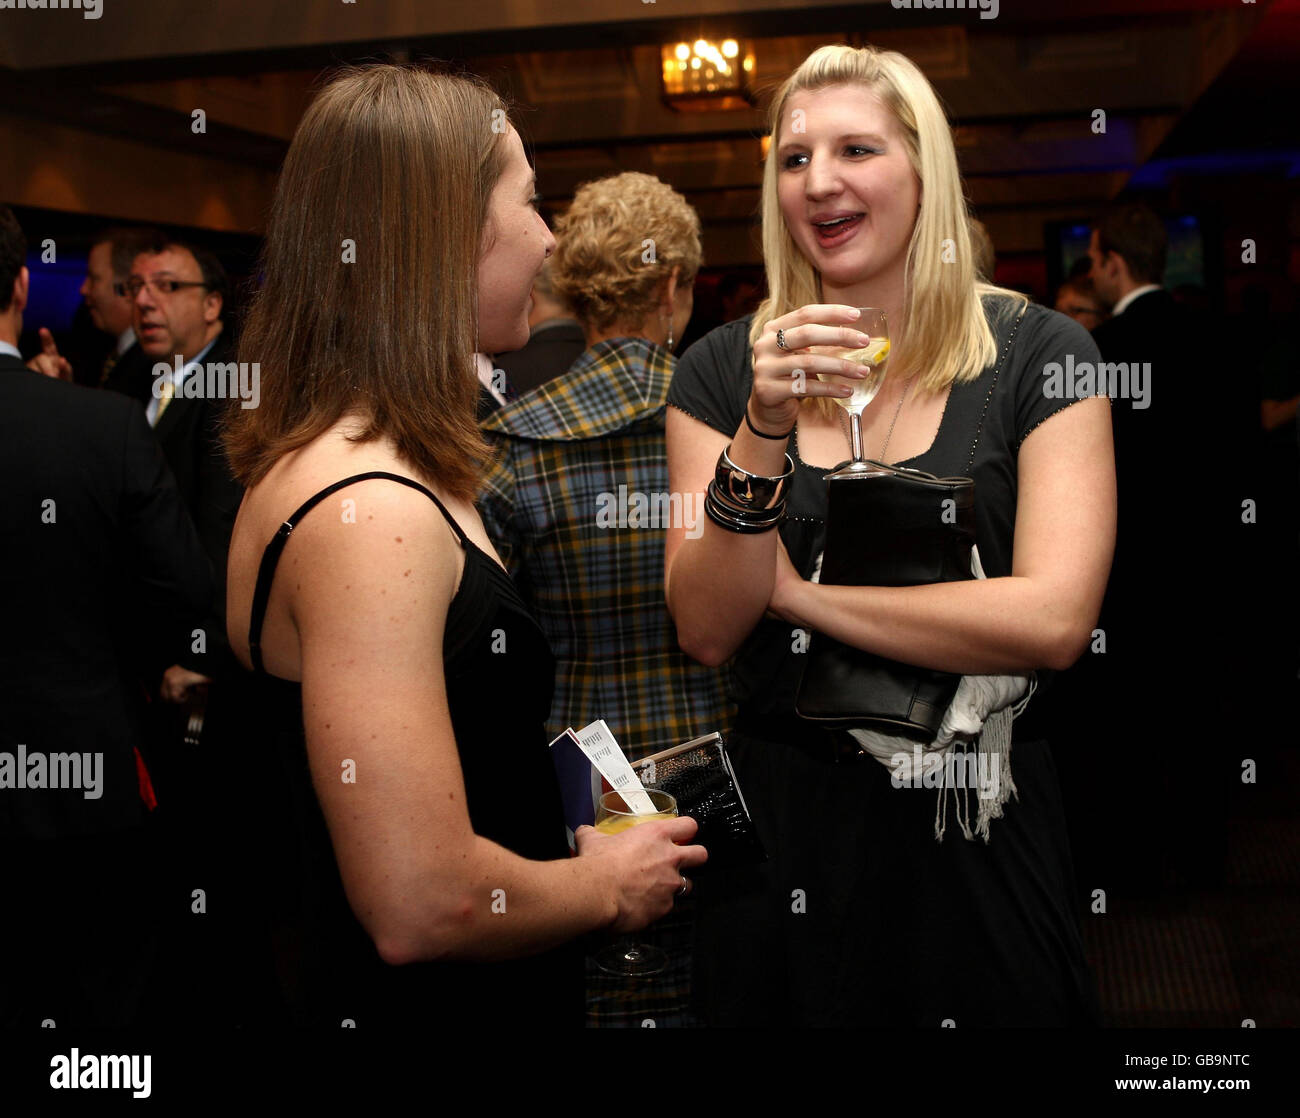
x=948, y=339
x=369, y=298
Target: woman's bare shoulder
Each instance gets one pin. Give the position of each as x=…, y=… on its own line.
x=328, y=459
x=361, y=538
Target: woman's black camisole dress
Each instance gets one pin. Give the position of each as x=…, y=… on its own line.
x=499, y=678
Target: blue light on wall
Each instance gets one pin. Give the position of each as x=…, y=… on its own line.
x=54, y=292
x=1160, y=172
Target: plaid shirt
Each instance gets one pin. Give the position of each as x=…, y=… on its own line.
x=576, y=500
x=575, y=497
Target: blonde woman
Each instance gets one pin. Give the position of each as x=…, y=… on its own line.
x=862, y=916
x=432, y=882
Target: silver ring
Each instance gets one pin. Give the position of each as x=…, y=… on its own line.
x=685, y=885
x=780, y=340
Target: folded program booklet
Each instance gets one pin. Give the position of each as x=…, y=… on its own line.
x=698, y=775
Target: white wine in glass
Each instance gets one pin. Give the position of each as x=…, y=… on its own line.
x=613, y=815
x=873, y=357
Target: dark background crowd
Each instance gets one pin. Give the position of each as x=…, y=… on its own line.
x=114, y=636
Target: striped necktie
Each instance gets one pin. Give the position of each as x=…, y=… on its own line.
x=109, y=362
x=168, y=392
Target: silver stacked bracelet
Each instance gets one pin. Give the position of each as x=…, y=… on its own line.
x=743, y=502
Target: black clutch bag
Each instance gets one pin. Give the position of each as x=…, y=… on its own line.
x=699, y=777
x=893, y=527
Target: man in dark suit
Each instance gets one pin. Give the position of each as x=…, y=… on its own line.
x=1146, y=328
x=124, y=368
x=1174, y=584
x=96, y=534
x=178, y=293
x=108, y=267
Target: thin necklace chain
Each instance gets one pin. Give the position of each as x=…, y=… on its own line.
x=890, y=433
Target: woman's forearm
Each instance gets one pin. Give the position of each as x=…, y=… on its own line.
x=717, y=585
x=976, y=627
x=493, y=904
x=1040, y=616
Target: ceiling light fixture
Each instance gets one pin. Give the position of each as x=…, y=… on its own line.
x=705, y=76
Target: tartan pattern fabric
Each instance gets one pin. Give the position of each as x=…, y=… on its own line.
x=575, y=498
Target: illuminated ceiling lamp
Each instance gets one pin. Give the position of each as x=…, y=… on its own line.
x=705, y=76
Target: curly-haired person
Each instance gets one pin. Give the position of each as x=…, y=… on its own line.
x=576, y=501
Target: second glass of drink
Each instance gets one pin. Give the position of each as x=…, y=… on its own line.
x=624, y=957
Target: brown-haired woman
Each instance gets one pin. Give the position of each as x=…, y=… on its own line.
x=402, y=239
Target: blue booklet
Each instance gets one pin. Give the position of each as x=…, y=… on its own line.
x=580, y=783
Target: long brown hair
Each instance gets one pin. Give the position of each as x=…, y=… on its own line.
x=369, y=298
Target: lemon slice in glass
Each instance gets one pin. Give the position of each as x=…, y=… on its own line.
x=873, y=355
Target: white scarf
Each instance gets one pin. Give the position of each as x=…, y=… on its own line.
x=981, y=711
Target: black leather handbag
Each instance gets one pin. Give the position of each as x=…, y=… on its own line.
x=897, y=527
x=892, y=527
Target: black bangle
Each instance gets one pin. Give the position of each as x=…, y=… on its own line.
x=761, y=435
x=749, y=492
x=734, y=520
x=730, y=508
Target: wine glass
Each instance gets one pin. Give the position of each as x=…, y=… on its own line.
x=873, y=358
x=624, y=957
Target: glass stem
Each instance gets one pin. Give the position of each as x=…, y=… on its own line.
x=855, y=435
